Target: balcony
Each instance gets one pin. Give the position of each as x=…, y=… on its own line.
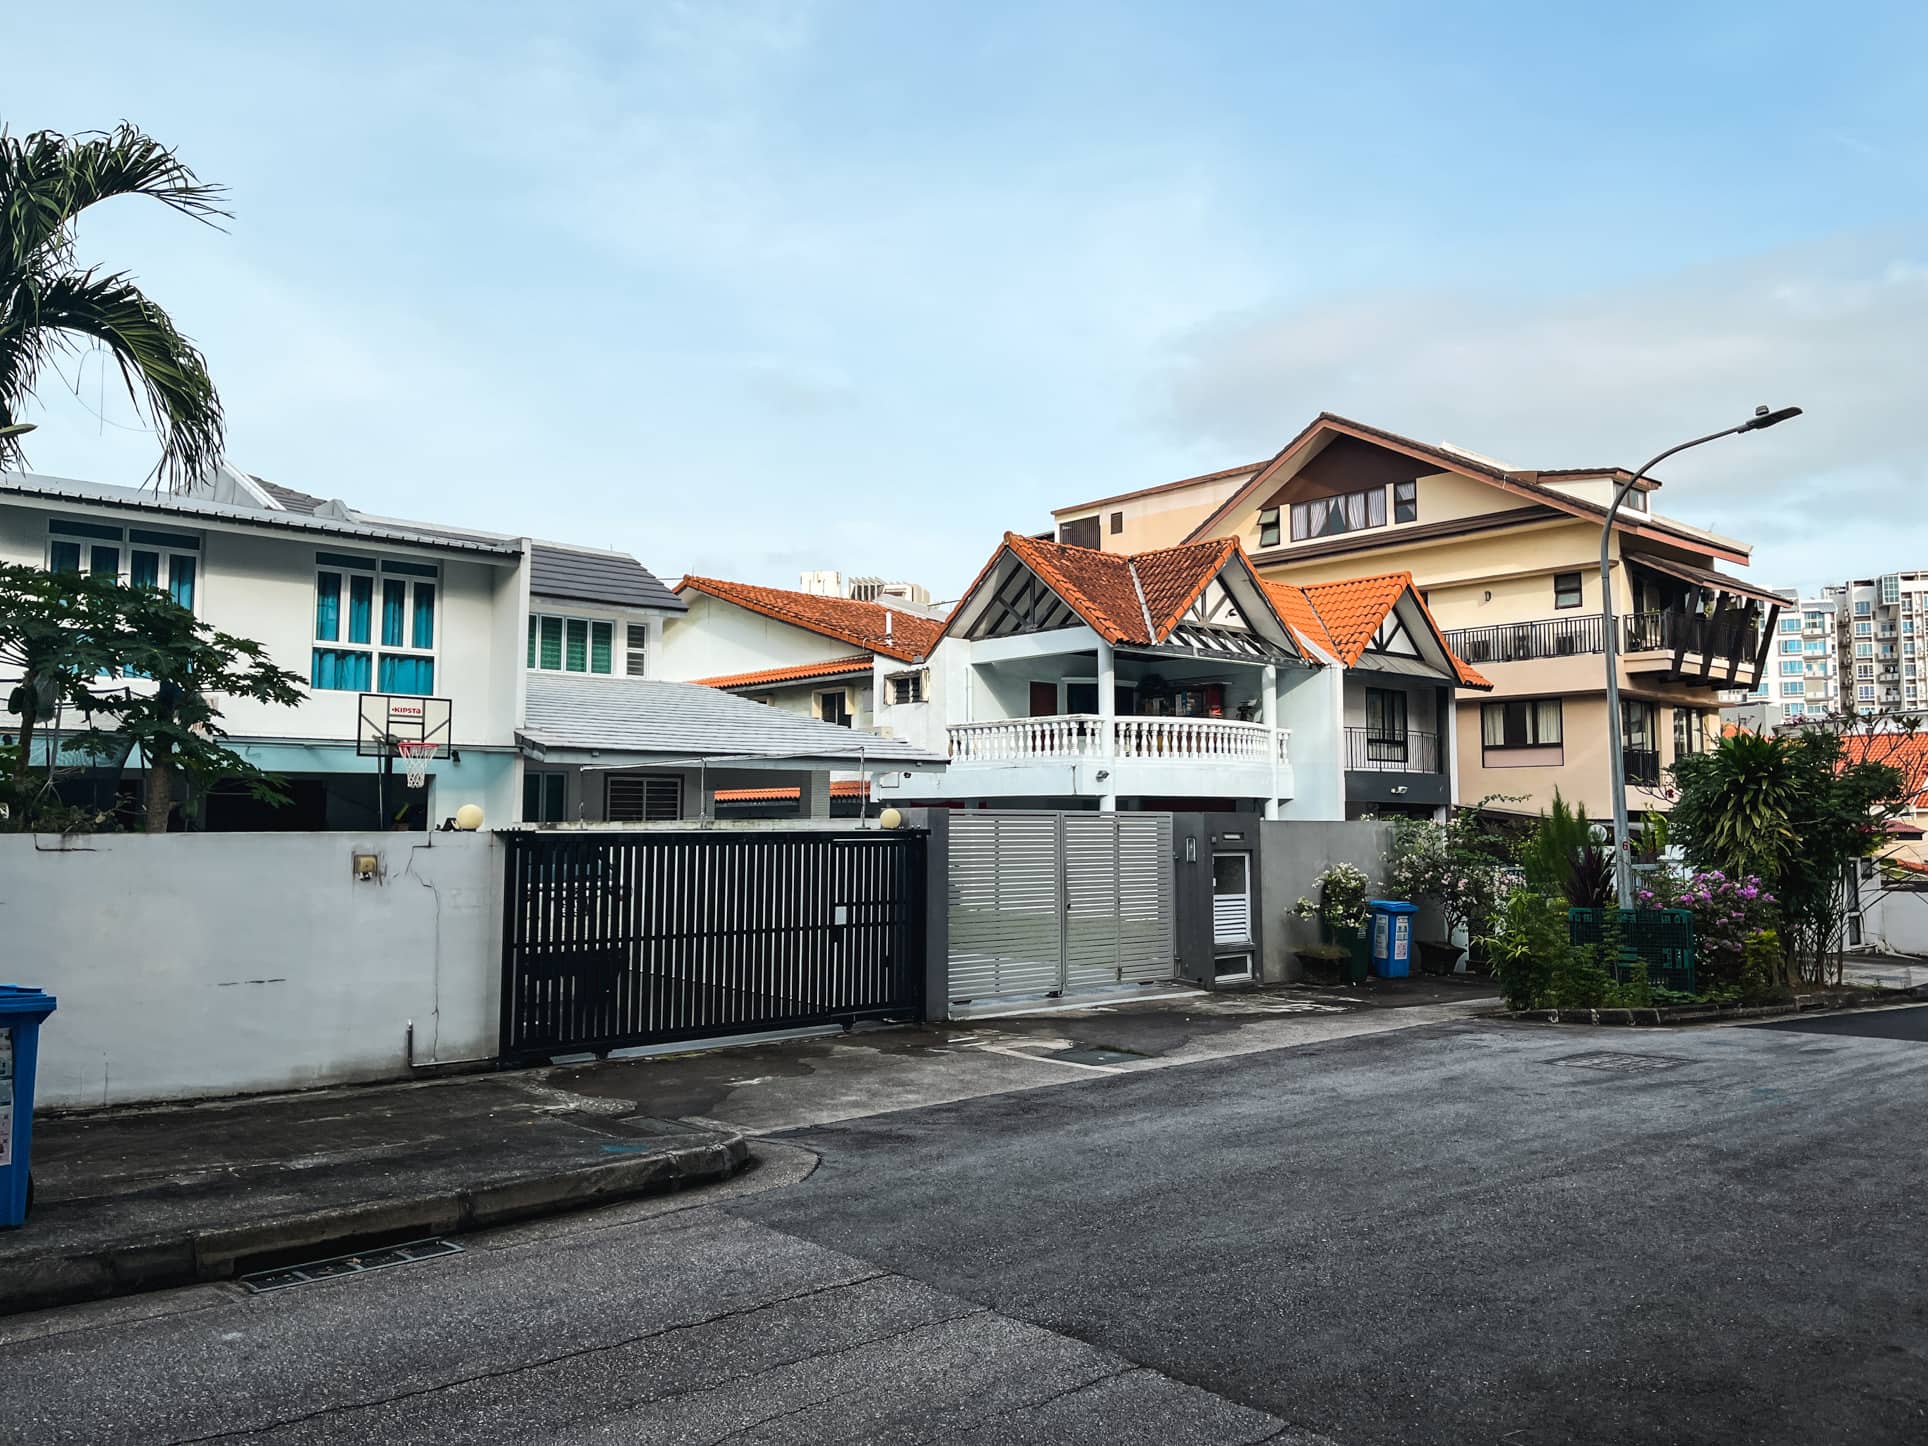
x=1684, y=644
x=1408, y=752
x=1083, y=755
x=1523, y=642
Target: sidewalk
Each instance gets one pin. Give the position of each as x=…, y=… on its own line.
x=142, y=1199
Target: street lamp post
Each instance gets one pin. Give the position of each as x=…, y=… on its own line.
x=1616, y=725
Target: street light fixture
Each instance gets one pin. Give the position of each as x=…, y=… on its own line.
x=1622, y=845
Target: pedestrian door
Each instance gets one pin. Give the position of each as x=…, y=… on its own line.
x=1042, y=903
x=1232, y=945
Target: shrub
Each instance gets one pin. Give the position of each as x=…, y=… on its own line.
x=1764, y=968
x=1728, y=914
x=1461, y=865
x=1562, y=859
x=1342, y=898
x=1526, y=945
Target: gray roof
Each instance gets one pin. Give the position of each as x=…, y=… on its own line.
x=642, y=715
x=604, y=577
x=290, y=499
x=168, y=505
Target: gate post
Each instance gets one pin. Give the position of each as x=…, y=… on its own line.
x=937, y=909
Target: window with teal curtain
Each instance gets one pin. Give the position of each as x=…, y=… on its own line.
x=394, y=605
x=534, y=624
x=105, y=562
x=361, y=604
x=551, y=643
x=403, y=674
x=423, y=624
x=180, y=581
x=576, y=658
x=65, y=556
x=339, y=669
x=327, y=606
x=602, y=637
x=144, y=568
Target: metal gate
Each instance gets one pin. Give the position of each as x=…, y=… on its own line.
x=616, y=939
x=1041, y=903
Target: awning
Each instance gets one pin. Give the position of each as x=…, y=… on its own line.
x=1708, y=578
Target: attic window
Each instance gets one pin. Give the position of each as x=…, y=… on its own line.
x=907, y=687
x=1269, y=527
x=1117, y=523
x=1405, y=501
x=1331, y=516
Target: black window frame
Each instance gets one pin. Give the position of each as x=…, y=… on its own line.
x=842, y=695
x=1117, y=523
x=1405, y=501
x=1070, y=533
x=1270, y=534
x=1578, y=593
x=1520, y=718
x=650, y=789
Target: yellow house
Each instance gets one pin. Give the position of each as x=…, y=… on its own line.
x=1508, y=562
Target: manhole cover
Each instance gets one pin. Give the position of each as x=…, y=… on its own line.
x=263, y=1281
x=1095, y=1056
x=1616, y=1063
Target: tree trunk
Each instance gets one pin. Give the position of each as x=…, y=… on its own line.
x=159, y=802
x=28, y=718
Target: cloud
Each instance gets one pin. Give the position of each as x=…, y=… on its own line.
x=1839, y=328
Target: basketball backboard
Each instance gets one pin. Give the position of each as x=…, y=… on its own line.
x=388, y=718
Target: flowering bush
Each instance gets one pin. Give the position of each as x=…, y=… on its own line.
x=1728, y=913
x=1342, y=898
x=1458, y=865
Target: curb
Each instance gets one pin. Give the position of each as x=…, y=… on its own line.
x=224, y=1252
x=1683, y=1014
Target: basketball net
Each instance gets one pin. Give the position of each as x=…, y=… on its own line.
x=416, y=753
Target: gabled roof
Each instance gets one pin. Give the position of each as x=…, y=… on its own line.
x=291, y=499
x=596, y=575
x=1905, y=752
x=900, y=635
x=1126, y=598
x=1347, y=615
x=1179, y=485
x=798, y=673
x=1520, y=483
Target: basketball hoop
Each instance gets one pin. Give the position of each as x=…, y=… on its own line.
x=416, y=753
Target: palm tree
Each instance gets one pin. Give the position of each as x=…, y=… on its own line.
x=49, y=304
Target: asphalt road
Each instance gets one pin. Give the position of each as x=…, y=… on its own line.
x=1459, y=1233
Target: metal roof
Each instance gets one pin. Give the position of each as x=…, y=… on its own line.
x=646, y=716
x=597, y=576
x=63, y=489
x=292, y=499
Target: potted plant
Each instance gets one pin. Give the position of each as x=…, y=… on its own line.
x=1341, y=954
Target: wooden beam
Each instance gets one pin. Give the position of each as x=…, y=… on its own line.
x=1767, y=647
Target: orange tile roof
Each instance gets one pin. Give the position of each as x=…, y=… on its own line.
x=1115, y=592
x=1296, y=611
x=797, y=673
x=839, y=788
x=1907, y=753
x=1347, y=614
x=863, y=624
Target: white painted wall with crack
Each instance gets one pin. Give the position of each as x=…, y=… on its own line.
x=196, y=965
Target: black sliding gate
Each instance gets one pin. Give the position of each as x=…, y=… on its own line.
x=615, y=939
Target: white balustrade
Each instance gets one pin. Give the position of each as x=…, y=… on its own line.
x=1025, y=740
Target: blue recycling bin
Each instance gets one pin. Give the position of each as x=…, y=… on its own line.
x=1392, y=937
x=21, y=1011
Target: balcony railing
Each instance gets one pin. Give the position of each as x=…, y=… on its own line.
x=1734, y=636
x=1519, y=642
x=1368, y=751
x=1079, y=735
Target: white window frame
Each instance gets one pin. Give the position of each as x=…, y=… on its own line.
x=126, y=544
x=636, y=649
x=917, y=683
x=380, y=571
x=618, y=642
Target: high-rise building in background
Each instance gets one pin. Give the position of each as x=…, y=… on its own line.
x=1803, y=678
x=910, y=596
x=1877, y=623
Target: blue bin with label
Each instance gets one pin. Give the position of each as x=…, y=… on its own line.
x=21, y=1011
x=1391, y=925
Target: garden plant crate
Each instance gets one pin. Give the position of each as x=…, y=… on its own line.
x=1663, y=937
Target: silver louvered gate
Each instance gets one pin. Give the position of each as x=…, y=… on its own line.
x=1041, y=903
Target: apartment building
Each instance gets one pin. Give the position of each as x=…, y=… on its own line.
x=1803, y=678
x=1877, y=625
x=1506, y=560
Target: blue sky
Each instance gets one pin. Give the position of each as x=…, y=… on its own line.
x=755, y=287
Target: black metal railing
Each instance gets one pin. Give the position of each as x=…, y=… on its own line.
x=1642, y=765
x=1519, y=642
x=614, y=939
x=1370, y=750
x=1733, y=636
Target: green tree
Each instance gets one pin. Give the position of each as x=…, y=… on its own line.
x=171, y=715
x=49, y=303
x=56, y=631
x=1563, y=860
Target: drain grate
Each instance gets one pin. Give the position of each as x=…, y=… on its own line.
x=263, y=1281
x=1095, y=1056
x=1617, y=1063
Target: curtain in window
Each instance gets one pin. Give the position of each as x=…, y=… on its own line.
x=535, y=625
x=403, y=674
x=144, y=568
x=575, y=657
x=180, y=581
x=394, y=604
x=422, y=625
x=105, y=562
x=602, y=637
x=327, y=607
x=361, y=604
x=551, y=644
x=1492, y=725
x=65, y=556
x=1546, y=721
x=339, y=669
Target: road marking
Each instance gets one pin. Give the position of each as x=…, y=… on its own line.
x=1046, y=1059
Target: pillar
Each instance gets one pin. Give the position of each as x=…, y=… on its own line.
x=1107, y=727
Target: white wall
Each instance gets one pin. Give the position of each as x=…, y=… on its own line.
x=715, y=639
x=213, y=964
x=1312, y=705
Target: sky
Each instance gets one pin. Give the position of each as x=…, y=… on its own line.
x=756, y=287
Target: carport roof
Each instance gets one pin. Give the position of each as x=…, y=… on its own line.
x=665, y=721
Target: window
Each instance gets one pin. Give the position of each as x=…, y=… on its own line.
x=1790, y=625
x=1792, y=690
x=907, y=687
x=636, y=650
x=1865, y=692
x=1567, y=590
x=1864, y=650
x=1815, y=645
x=542, y=797
x=1863, y=608
x=1790, y=645
x=1791, y=668
x=1520, y=723
x=137, y=556
x=1080, y=533
x=1689, y=732
x=358, y=599
x=1269, y=527
x=1864, y=670
x=1385, y=725
x=1405, y=502
x=834, y=707
x=1331, y=516
x=642, y=798
x=1864, y=630
x=1117, y=523
x=572, y=645
x=1796, y=710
